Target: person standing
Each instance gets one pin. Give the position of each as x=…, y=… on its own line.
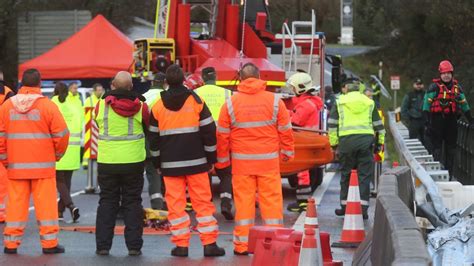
x=71, y=159
x=155, y=180
x=183, y=146
x=5, y=93
x=305, y=113
x=33, y=137
x=443, y=103
x=412, y=111
x=122, y=117
x=354, y=128
x=254, y=132
x=214, y=97
x=89, y=104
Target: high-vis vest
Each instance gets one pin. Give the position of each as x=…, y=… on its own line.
x=214, y=97
x=71, y=159
x=121, y=139
x=91, y=101
x=355, y=114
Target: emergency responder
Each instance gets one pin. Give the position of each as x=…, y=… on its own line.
x=71, y=159
x=369, y=92
x=353, y=124
x=155, y=180
x=75, y=97
x=183, y=144
x=443, y=103
x=254, y=132
x=412, y=112
x=5, y=93
x=305, y=113
x=121, y=116
x=89, y=104
x=214, y=97
x=376, y=92
x=33, y=136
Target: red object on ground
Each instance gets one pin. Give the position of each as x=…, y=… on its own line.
x=99, y=50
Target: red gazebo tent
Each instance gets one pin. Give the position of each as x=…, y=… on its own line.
x=99, y=50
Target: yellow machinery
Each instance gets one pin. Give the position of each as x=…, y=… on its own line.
x=153, y=55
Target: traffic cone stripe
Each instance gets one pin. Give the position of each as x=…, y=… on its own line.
x=354, y=194
x=353, y=236
x=311, y=221
x=353, y=222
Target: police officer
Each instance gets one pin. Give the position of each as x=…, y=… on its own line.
x=353, y=124
x=443, y=103
x=412, y=113
x=214, y=97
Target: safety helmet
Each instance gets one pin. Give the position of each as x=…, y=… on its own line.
x=302, y=83
x=445, y=66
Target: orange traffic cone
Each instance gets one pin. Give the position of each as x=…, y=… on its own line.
x=353, y=232
x=314, y=256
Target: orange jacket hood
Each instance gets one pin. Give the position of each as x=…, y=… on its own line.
x=26, y=97
x=252, y=86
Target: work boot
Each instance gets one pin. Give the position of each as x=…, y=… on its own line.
x=133, y=252
x=74, y=213
x=365, y=216
x=226, y=209
x=60, y=217
x=10, y=250
x=245, y=253
x=213, y=250
x=102, y=252
x=179, y=251
x=340, y=212
x=298, y=206
x=56, y=250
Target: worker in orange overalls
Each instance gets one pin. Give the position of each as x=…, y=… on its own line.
x=5, y=93
x=33, y=137
x=254, y=132
x=305, y=113
x=183, y=147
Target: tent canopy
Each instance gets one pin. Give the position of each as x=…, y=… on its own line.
x=99, y=50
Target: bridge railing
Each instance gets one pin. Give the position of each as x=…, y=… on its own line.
x=464, y=162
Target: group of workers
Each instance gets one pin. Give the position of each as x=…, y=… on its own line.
x=432, y=115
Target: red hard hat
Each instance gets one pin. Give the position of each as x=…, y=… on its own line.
x=445, y=66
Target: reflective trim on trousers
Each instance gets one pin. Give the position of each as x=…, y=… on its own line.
x=182, y=231
x=285, y=127
x=183, y=163
x=156, y=196
x=49, y=237
x=223, y=129
x=210, y=148
x=176, y=131
x=179, y=220
x=154, y=129
x=2, y=134
x=15, y=224
x=12, y=238
x=155, y=153
x=362, y=202
x=303, y=190
x=2, y=206
x=208, y=229
x=288, y=153
x=3, y=156
x=48, y=223
x=62, y=134
x=31, y=165
x=222, y=159
x=244, y=222
x=206, y=121
x=206, y=219
x=302, y=196
x=28, y=136
x=243, y=239
x=129, y=137
x=259, y=156
x=225, y=195
x=273, y=221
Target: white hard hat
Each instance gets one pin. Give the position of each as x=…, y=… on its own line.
x=302, y=83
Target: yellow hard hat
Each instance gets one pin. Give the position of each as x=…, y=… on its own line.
x=302, y=83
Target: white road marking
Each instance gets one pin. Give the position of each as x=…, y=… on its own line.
x=72, y=196
x=318, y=195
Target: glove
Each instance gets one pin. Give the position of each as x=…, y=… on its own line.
x=379, y=148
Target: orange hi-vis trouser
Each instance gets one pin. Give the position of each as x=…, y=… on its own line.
x=3, y=192
x=44, y=197
x=270, y=198
x=200, y=192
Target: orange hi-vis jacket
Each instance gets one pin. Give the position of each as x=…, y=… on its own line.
x=33, y=135
x=253, y=131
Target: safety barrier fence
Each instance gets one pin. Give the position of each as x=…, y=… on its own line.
x=464, y=162
x=395, y=238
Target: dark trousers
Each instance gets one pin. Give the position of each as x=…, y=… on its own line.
x=63, y=184
x=416, y=129
x=155, y=186
x=225, y=185
x=444, y=129
x=121, y=186
x=356, y=152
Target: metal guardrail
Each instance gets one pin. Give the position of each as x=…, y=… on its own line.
x=464, y=162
